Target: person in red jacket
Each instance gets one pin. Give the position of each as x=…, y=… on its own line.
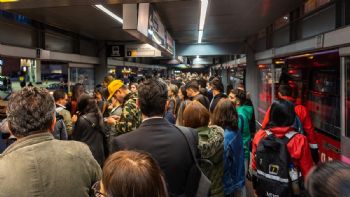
x=282, y=118
x=285, y=92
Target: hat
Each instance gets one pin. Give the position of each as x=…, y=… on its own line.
x=113, y=87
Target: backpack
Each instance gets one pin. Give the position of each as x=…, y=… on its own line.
x=274, y=166
x=198, y=184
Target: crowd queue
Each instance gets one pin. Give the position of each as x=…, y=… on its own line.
x=161, y=138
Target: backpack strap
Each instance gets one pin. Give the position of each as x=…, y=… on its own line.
x=288, y=136
x=192, y=141
x=268, y=132
x=93, y=125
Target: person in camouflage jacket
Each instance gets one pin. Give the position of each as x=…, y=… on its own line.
x=130, y=117
x=210, y=145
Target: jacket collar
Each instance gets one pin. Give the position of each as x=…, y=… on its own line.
x=288, y=98
x=154, y=121
x=220, y=95
x=28, y=141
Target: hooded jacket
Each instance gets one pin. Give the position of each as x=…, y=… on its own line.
x=304, y=117
x=298, y=148
x=211, y=147
x=245, y=114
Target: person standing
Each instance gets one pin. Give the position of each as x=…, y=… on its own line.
x=89, y=128
x=130, y=117
x=217, y=89
x=61, y=99
x=37, y=164
x=192, y=90
x=225, y=116
x=210, y=145
x=165, y=142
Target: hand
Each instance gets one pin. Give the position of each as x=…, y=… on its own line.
x=74, y=118
x=115, y=117
x=111, y=121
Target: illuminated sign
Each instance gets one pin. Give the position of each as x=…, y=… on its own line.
x=141, y=50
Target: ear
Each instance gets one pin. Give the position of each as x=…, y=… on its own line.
x=53, y=124
x=138, y=103
x=279, y=94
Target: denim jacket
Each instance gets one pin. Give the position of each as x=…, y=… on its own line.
x=234, y=178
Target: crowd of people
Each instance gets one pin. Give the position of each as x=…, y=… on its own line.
x=161, y=138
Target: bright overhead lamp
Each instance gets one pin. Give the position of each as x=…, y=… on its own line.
x=111, y=14
x=200, y=35
x=204, y=7
x=7, y=1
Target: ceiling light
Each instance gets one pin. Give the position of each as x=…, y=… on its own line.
x=200, y=35
x=7, y=1
x=111, y=14
x=285, y=18
x=204, y=7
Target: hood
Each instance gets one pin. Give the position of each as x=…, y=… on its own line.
x=211, y=140
x=280, y=131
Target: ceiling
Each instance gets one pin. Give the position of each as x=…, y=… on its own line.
x=227, y=20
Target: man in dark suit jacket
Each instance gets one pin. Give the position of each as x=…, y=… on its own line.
x=217, y=88
x=192, y=90
x=166, y=143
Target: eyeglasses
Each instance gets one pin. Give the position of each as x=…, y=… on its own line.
x=96, y=188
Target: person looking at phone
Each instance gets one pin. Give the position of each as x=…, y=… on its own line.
x=130, y=117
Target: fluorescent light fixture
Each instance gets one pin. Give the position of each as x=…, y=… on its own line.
x=111, y=14
x=200, y=35
x=204, y=7
x=7, y=1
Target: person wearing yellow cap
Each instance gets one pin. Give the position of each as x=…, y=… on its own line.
x=130, y=117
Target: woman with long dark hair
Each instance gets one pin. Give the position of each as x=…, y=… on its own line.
x=225, y=116
x=89, y=128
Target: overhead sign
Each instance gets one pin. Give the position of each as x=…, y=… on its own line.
x=115, y=51
x=141, y=50
x=144, y=23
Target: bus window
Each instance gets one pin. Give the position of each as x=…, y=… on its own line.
x=324, y=101
x=347, y=85
x=265, y=90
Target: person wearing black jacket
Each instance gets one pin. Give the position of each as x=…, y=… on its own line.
x=89, y=128
x=217, y=88
x=164, y=141
x=192, y=89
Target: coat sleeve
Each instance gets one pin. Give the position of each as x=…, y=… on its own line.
x=308, y=127
x=129, y=119
x=67, y=118
x=115, y=145
x=63, y=133
x=300, y=153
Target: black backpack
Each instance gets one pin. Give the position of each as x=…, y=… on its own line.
x=273, y=167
